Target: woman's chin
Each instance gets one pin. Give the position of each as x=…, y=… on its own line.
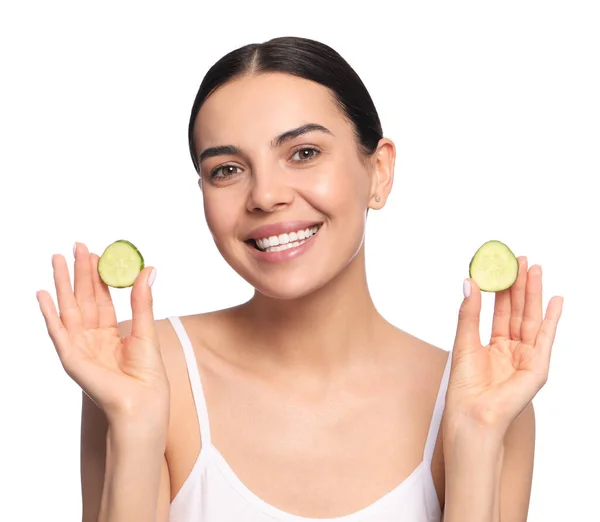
x=294, y=279
x=287, y=290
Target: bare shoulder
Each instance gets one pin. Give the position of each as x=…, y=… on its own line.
x=517, y=466
x=423, y=360
x=421, y=365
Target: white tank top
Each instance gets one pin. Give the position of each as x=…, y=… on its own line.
x=213, y=493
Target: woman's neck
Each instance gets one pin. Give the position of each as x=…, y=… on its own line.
x=325, y=330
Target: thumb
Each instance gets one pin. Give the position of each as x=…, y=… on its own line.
x=467, y=331
x=142, y=324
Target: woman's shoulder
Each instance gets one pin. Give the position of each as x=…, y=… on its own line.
x=418, y=358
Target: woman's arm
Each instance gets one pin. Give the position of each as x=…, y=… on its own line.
x=488, y=477
x=133, y=478
x=473, y=460
x=120, y=474
x=125, y=422
x=488, y=402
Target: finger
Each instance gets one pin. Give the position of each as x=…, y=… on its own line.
x=84, y=289
x=70, y=314
x=547, y=332
x=467, y=331
x=142, y=324
x=501, y=321
x=533, y=314
x=56, y=329
x=517, y=300
x=107, y=317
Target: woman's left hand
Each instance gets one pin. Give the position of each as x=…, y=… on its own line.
x=491, y=385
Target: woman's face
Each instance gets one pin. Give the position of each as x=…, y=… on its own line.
x=278, y=162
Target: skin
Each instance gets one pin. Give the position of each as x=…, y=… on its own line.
x=331, y=385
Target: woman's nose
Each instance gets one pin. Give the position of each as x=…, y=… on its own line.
x=270, y=189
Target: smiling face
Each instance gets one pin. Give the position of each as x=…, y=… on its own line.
x=279, y=160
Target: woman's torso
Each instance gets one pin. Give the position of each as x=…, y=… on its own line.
x=291, y=447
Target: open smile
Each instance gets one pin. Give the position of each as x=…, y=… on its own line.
x=286, y=240
x=286, y=245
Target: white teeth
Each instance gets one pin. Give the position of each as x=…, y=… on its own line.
x=279, y=248
x=283, y=241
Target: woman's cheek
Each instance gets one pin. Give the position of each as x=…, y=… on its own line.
x=327, y=185
x=220, y=220
x=341, y=186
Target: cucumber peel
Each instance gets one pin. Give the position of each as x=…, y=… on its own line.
x=494, y=267
x=120, y=264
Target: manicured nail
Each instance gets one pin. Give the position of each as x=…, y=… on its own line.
x=75, y=250
x=467, y=288
x=152, y=277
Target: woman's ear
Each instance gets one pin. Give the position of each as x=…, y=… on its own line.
x=383, y=160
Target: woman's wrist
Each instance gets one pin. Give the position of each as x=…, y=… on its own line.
x=465, y=444
x=457, y=426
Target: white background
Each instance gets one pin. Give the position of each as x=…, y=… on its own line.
x=494, y=107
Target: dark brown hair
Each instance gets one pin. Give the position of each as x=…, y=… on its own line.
x=306, y=59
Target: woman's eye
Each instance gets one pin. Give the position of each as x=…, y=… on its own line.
x=225, y=171
x=305, y=154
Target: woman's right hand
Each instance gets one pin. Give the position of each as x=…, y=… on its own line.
x=126, y=377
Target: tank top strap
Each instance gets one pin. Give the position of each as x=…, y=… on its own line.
x=195, y=381
x=438, y=411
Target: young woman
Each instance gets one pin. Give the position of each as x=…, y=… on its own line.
x=303, y=403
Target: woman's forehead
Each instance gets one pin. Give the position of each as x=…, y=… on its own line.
x=263, y=106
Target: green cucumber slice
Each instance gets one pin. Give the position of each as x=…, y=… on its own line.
x=120, y=264
x=494, y=267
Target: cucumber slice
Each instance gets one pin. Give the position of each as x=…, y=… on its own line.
x=494, y=267
x=120, y=264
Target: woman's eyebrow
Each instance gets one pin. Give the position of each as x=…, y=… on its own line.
x=229, y=150
x=232, y=150
x=299, y=131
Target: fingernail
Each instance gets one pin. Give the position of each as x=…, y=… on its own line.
x=152, y=277
x=75, y=250
x=467, y=288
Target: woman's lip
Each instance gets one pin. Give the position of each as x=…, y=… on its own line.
x=283, y=255
x=284, y=227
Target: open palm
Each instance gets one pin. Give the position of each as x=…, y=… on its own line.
x=492, y=384
x=125, y=377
